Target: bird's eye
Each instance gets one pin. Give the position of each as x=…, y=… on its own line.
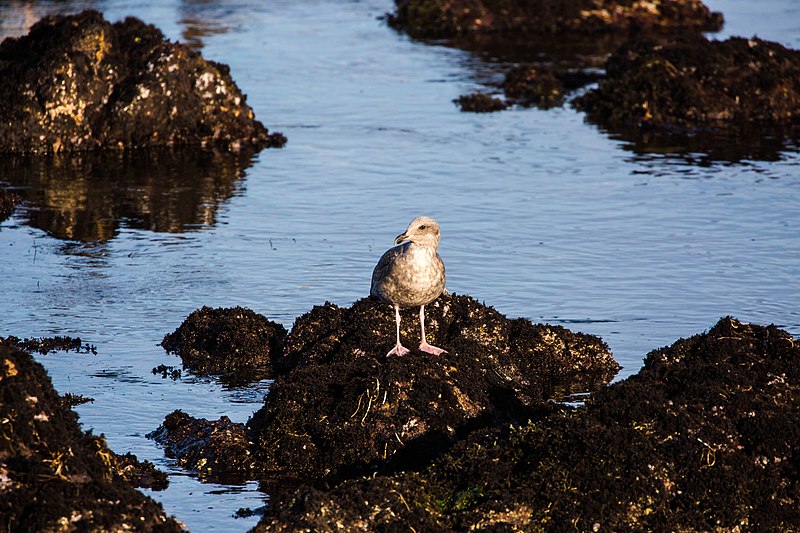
x=423, y=226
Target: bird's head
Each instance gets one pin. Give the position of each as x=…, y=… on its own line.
x=422, y=230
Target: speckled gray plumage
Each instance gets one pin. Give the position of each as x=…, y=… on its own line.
x=411, y=274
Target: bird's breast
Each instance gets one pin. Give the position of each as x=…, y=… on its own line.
x=415, y=277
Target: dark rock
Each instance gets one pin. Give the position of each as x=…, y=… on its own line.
x=70, y=400
x=47, y=345
x=704, y=438
x=78, y=83
x=236, y=342
x=8, y=203
x=345, y=409
x=167, y=371
x=218, y=451
x=53, y=476
x=339, y=407
x=694, y=84
x=531, y=86
x=434, y=18
x=479, y=103
x=141, y=474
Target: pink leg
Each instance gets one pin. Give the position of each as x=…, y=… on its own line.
x=424, y=346
x=398, y=349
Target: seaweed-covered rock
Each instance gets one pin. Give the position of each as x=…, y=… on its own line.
x=45, y=345
x=237, y=342
x=79, y=82
x=531, y=86
x=8, y=202
x=479, y=102
x=437, y=18
x=140, y=474
x=344, y=408
x=53, y=476
x=695, y=83
x=218, y=450
x=339, y=407
x=704, y=438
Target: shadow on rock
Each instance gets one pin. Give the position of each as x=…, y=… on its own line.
x=339, y=408
x=704, y=438
x=88, y=196
x=55, y=477
x=78, y=82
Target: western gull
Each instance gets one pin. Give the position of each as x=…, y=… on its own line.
x=411, y=274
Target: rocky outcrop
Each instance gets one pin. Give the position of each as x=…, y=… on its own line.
x=704, y=438
x=78, y=82
x=694, y=84
x=339, y=408
x=234, y=342
x=55, y=477
x=436, y=18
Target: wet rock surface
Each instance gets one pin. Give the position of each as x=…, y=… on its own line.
x=140, y=474
x=479, y=102
x=45, y=345
x=79, y=83
x=53, y=476
x=235, y=342
x=217, y=451
x=530, y=86
x=694, y=83
x=340, y=408
x=703, y=438
x=434, y=18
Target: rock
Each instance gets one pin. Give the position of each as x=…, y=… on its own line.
x=46, y=345
x=531, y=86
x=218, y=451
x=694, y=84
x=140, y=474
x=53, y=476
x=479, y=102
x=235, y=342
x=434, y=18
x=339, y=407
x=704, y=438
x=78, y=82
x=344, y=409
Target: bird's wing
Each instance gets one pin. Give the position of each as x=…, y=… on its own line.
x=384, y=266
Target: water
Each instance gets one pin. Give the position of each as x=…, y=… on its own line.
x=543, y=216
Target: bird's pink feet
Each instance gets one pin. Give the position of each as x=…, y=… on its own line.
x=398, y=350
x=427, y=348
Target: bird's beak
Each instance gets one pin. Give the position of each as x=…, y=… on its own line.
x=401, y=238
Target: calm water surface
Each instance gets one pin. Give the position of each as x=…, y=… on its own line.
x=543, y=216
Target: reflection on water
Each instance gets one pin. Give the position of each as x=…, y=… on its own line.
x=17, y=17
x=706, y=147
x=202, y=18
x=88, y=197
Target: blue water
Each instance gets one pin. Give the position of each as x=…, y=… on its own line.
x=543, y=216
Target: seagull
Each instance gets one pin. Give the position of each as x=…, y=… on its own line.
x=411, y=274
